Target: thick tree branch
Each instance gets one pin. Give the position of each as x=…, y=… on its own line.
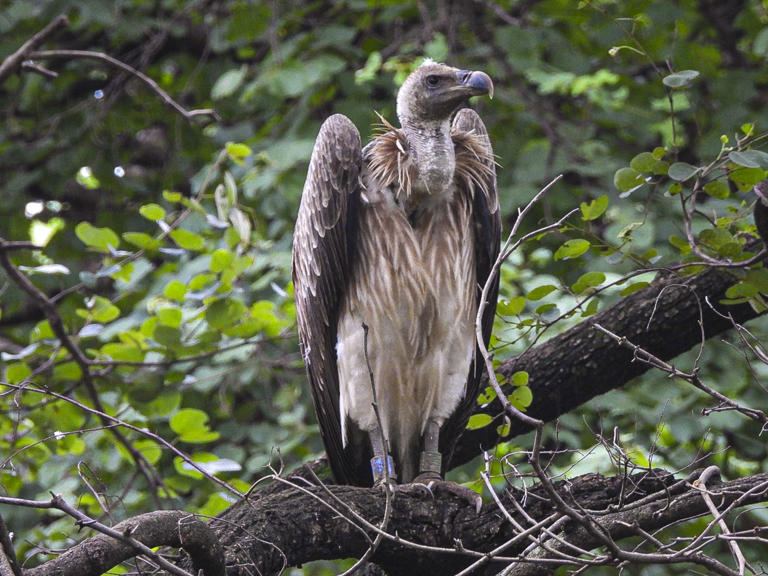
x=667, y=318
x=438, y=535
x=162, y=528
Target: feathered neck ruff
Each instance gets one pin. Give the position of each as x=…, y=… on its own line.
x=392, y=163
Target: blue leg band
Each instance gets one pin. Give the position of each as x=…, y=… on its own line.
x=381, y=463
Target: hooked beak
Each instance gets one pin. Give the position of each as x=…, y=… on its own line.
x=480, y=82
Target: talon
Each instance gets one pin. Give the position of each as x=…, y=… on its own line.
x=438, y=484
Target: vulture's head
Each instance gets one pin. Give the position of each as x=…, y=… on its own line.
x=433, y=92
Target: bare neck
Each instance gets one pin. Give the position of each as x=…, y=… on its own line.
x=432, y=148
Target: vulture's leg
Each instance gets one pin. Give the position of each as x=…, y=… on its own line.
x=382, y=465
x=430, y=467
x=430, y=463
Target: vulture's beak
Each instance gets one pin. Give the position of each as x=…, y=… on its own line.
x=480, y=82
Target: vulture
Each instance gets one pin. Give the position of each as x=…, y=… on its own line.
x=392, y=247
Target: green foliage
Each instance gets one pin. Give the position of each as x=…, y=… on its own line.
x=166, y=243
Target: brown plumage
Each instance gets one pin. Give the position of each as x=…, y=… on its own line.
x=399, y=236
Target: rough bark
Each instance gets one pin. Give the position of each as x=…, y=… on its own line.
x=290, y=526
x=162, y=528
x=667, y=318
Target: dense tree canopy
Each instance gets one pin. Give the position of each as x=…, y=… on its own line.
x=152, y=156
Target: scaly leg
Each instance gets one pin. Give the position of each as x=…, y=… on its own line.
x=382, y=465
x=430, y=468
x=430, y=463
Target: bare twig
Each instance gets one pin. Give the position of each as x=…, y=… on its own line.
x=189, y=115
x=13, y=61
x=692, y=378
x=701, y=484
x=505, y=252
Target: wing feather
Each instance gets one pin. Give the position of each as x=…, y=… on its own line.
x=487, y=220
x=325, y=229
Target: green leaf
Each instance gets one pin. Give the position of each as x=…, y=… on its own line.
x=86, y=179
x=98, y=238
x=742, y=290
x=122, y=352
x=746, y=178
x=717, y=189
x=572, y=249
x=682, y=171
x=520, y=378
x=224, y=313
x=591, y=308
x=681, y=244
x=511, y=307
x=749, y=158
x=626, y=179
x=680, y=79
x=169, y=317
x=237, y=151
x=191, y=425
x=541, y=291
x=142, y=240
x=152, y=212
x=635, y=287
x=17, y=372
x=220, y=261
x=175, y=290
x=486, y=395
x=228, y=83
x=594, y=209
x=187, y=240
x=477, y=421
x=759, y=278
x=102, y=310
x=168, y=336
x=171, y=196
x=521, y=398
x=588, y=280
x=41, y=233
x=646, y=162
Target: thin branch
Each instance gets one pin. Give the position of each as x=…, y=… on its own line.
x=692, y=378
x=505, y=252
x=189, y=115
x=13, y=61
x=7, y=552
x=123, y=424
x=57, y=326
x=701, y=484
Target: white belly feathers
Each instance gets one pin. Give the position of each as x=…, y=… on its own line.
x=420, y=318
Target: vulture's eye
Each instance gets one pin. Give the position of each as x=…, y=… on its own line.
x=433, y=81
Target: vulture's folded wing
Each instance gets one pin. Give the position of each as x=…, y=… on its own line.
x=487, y=219
x=325, y=230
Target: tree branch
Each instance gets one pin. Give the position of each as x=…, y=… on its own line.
x=14, y=61
x=188, y=115
x=581, y=363
x=135, y=536
x=440, y=533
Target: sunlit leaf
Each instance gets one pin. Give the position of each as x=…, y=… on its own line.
x=98, y=238
x=478, y=421
x=572, y=249
x=680, y=79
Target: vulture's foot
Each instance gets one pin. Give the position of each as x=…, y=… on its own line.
x=432, y=482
